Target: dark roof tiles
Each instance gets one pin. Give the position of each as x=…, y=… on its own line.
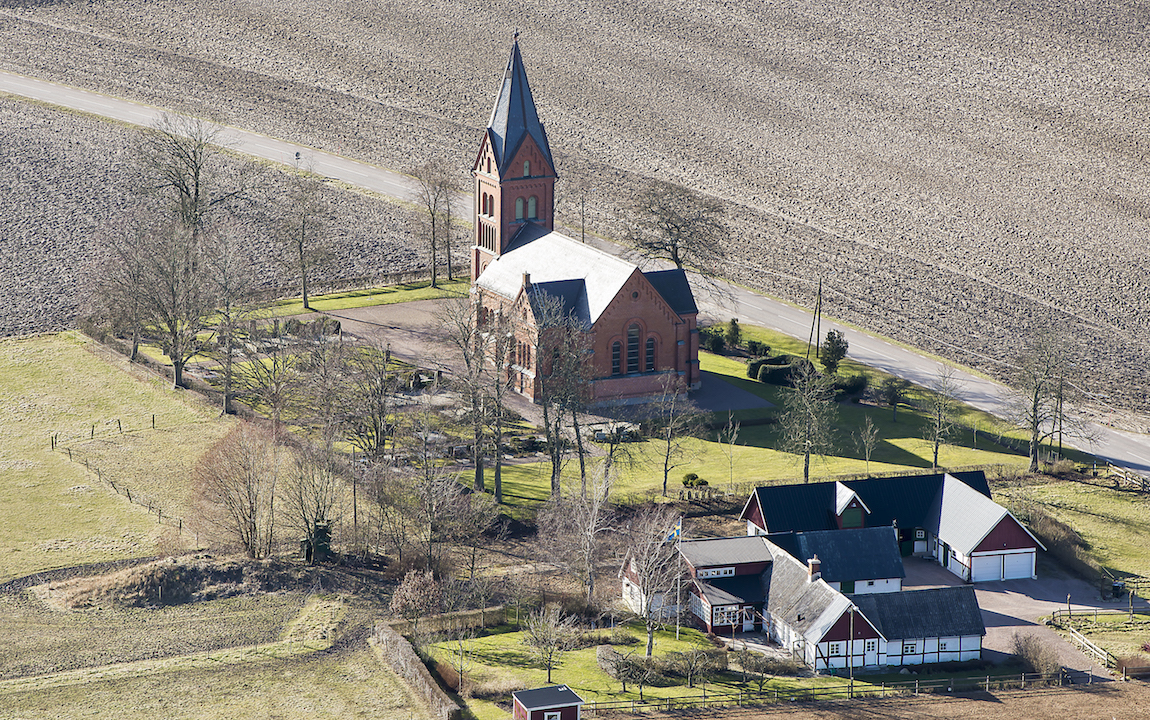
x=937, y=612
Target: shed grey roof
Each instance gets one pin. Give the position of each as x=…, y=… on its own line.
x=962, y=517
x=711, y=552
x=514, y=116
x=736, y=590
x=847, y=555
x=547, y=697
x=937, y=612
x=810, y=607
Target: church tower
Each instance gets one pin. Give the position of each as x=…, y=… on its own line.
x=514, y=173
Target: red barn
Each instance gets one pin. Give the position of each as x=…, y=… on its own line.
x=557, y=702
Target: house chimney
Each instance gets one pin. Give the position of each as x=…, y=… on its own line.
x=526, y=280
x=813, y=566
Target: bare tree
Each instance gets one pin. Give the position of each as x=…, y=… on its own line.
x=695, y=663
x=471, y=346
x=866, y=440
x=419, y=594
x=312, y=489
x=237, y=479
x=122, y=274
x=572, y=532
x=435, y=186
x=474, y=517
x=728, y=437
x=176, y=294
x=562, y=347
x=549, y=634
x=437, y=495
x=756, y=664
x=502, y=329
x=1040, y=386
x=302, y=225
x=368, y=402
x=941, y=408
x=178, y=157
x=231, y=279
x=323, y=367
x=680, y=225
x=808, y=418
x=393, y=504
x=675, y=419
x=652, y=564
x=271, y=373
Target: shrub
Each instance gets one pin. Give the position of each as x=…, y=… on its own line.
x=693, y=480
x=716, y=343
x=496, y=688
x=852, y=384
x=757, y=348
x=620, y=636
x=734, y=333
x=1035, y=654
x=753, y=368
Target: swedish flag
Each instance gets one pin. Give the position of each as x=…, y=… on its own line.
x=676, y=533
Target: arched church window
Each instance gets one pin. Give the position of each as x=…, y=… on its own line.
x=633, y=349
x=488, y=166
x=616, y=358
x=532, y=202
x=526, y=168
x=649, y=366
x=518, y=208
x=483, y=206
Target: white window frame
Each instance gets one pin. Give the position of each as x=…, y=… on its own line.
x=835, y=649
x=726, y=615
x=909, y=648
x=920, y=534
x=870, y=645
x=717, y=572
x=552, y=715
x=942, y=646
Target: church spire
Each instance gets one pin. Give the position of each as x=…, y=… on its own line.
x=514, y=116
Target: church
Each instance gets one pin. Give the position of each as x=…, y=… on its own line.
x=641, y=325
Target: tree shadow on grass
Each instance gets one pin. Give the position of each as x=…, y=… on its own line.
x=505, y=657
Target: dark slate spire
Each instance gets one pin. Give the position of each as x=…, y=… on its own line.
x=514, y=116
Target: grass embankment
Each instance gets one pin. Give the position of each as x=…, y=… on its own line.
x=1112, y=522
x=499, y=657
x=55, y=513
x=901, y=444
x=290, y=678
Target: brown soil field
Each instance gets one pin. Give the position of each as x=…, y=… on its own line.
x=1105, y=701
x=957, y=174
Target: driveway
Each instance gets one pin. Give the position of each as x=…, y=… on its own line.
x=1010, y=606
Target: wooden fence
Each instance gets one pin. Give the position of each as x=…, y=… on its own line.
x=915, y=687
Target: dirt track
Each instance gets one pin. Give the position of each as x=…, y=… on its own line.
x=957, y=174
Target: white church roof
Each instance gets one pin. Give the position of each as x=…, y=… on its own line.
x=551, y=257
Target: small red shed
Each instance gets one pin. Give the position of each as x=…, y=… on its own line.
x=557, y=702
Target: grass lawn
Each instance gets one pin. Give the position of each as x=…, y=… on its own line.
x=54, y=513
x=900, y=446
x=501, y=655
x=369, y=296
x=1117, y=633
x=1113, y=522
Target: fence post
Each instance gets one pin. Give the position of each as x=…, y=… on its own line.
x=1023, y=685
x=916, y=686
x=988, y=683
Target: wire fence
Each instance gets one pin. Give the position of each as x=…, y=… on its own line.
x=985, y=683
x=69, y=445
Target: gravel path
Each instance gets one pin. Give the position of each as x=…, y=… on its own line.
x=956, y=174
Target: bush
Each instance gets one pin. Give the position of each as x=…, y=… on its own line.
x=620, y=636
x=778, y=370
x=1035, y=654
x=852, y=384
x=716, y=343
x=753, y=368
x=693, y=480
x=497, y=688
x=758, y=349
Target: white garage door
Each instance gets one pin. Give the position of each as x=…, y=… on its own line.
x=1018, y=565
x=985, y=568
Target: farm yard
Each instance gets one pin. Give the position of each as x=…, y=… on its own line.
x=956, y=175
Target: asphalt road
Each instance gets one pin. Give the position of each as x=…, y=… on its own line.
x=1128, y=450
